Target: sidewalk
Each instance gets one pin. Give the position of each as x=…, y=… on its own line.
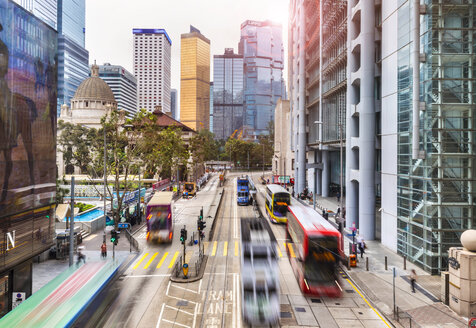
x=424, y=306
x=46, y=271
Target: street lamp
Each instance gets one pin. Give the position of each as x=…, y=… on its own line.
x=105, y=183
x=341, y=207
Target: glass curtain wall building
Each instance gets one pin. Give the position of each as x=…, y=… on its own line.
x=43, y=9
x=227, y=93
x=123, y=85
x=73, y=58
x=262, y=49
x=173, y=103
x=436, y=188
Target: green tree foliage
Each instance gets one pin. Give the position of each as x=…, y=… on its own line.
x=203, y=147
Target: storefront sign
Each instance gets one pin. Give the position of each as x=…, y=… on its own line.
x=10, y=240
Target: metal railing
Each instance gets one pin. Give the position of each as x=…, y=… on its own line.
x=133, y=242
x=405, y=319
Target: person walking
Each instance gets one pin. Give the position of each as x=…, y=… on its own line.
x=338, y=196
x=362, y=248
x=81, y=256
x=103, y=250
x=413, y=277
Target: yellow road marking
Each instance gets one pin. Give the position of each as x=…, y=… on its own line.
x=162, y=260
x=173, y=260
x=355, y=288
x=279, y=251
x=225, y=248
x=291, y=250
x=140, y=261
x=214, y=250
x=236, y=248
x=150, y=261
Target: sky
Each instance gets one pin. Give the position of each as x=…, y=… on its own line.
x=109, y=25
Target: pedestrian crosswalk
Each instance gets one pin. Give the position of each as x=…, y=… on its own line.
x=214, y=248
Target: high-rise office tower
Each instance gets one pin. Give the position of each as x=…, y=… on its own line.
x=261, y=46
x=43, y=9
x=73, y=58
x=123, y=85
x=227, y=93
x=195, y=80
x=406, y=122
x=173, y=104
x=211, y=106
x=152, y=60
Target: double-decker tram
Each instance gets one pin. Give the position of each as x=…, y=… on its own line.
x=189, y=189
x=243, y=191
x=160, y=227
x=314, y=251
x=277, y=201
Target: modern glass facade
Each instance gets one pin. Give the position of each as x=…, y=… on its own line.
x=262, y=49
x=195, y=80
x=227, y=94
x=436, y=193
x=73, y=61
x=173, y=104
x=27, y=133
x=211, y=106
x=123, y=85
x=73, y=58
x=43, y=9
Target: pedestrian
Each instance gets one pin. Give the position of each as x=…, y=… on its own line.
x=338, y=196
x=338, y=211
x=103, y=250
x=80, y=256
x=413, y=277
x=362, y=248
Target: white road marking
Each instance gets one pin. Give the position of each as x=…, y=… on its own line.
x=176, y=323
x=186, y=289
x=179, y=310
x=195, y=312
x=160, y=316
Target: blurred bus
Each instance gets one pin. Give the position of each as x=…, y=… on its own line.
x=189, y=189
x=160, y=227
x=277, y=201
x=243, y=191
x=314, y=251
x=259, y=273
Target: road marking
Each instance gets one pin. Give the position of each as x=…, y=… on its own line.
x=140, y=261
x=180, y=310
x=355, y=288
x=160, y=316
x=162, y=260
x=186, y=289
x=150, y=261
x=214, y=250
x=173, y=260
x=236, y=248
x=279, y=251
x=176, y=323
x=195, y=311
x=225, y=248
x=291, y=250
x=149, y=275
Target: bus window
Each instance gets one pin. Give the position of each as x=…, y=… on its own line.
x=159, y=217
x=281, y=202
x=320, y=264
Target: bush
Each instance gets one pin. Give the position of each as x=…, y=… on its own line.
x=83, y=207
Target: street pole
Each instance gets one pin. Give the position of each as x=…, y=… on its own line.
x=105, y=183
x=341, y=212
x=248, y=160
x=139, y=209
x=394, y=274
x=71, y=225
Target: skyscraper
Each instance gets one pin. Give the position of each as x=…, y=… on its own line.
x=152, y=58
x=173, y=104
x=43, y=9
x=123, y=85
x=195, y=80
x=227, y=93
x=262, y=49
x=73, y=58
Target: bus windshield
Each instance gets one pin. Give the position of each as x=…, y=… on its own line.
x=321, y=260
x=159, y=215
x=281, y=202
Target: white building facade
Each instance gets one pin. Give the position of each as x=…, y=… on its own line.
x=152, y=63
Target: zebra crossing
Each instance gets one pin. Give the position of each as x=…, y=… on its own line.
x=167, y=259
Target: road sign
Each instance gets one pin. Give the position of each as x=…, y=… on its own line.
x=185, y=269
x=472, y=322
x=124, y=225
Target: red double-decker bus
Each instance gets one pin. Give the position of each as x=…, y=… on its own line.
x=314, y=250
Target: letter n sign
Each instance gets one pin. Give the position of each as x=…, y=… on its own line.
x=10, y=240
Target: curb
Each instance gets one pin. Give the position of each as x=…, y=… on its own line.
x=212, y=228
x=200, y=273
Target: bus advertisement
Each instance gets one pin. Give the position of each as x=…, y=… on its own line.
x=159, y=216
x=315, y=247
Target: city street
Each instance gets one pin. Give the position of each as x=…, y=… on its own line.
x=145, y=296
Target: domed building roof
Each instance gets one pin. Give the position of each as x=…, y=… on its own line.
x=94, y=88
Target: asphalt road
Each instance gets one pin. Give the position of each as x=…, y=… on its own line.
x=145, y=297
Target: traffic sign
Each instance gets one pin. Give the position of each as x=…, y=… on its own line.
x=472, y=322
x=123, y=225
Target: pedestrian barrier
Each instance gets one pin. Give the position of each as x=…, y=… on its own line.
x=405, y=319
x=133, y=242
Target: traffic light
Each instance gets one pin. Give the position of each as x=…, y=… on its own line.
x=201, y=225
x=201, y=214
x=114, y=237
x=183, y=235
